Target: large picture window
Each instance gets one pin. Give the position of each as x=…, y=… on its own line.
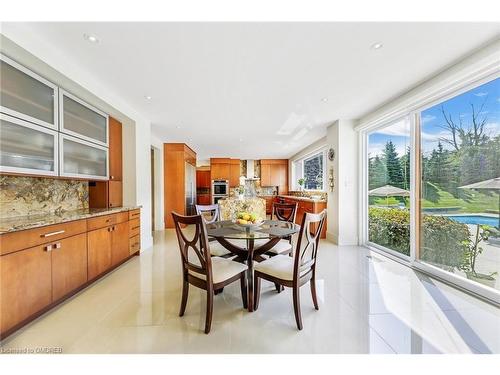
x=310, y=170
x=433, y=188
x=460, y=185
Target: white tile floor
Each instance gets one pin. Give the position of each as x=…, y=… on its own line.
x=368, y=304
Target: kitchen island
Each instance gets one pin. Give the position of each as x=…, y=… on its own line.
x=231, y=206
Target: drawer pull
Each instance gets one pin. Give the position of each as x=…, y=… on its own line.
x=52, y=233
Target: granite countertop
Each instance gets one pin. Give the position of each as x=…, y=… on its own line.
x=18, y=223
x=305, y=199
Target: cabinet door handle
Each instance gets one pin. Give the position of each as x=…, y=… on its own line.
x=109, y=229
x=52, y=233
x=48, y=248
x=112, y=177
x=56, y=246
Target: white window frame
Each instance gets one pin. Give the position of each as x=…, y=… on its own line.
x=467, y=83
x=295, y=185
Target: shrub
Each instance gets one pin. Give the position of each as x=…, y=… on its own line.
x=444, y=241
x=390, y=227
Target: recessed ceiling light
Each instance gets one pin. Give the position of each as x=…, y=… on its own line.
x=178, y=126
x=324, y=100
x=147, y=97
x=377, y=45
x=241, y=139
x=91, y=38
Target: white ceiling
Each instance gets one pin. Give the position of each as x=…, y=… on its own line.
x=256, y=90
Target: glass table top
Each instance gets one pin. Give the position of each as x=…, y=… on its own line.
x=269, y=229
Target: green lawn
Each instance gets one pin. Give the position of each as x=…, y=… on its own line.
x=474, y=202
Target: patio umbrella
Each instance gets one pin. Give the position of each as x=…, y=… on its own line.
x=389, y=191
x=492, y=184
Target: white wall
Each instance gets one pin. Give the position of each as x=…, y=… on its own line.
x=43, y=58
x=158, y=183
x=342, y=227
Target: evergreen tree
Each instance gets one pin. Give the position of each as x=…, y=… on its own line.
x=377, y=173
x=393, y=166
x=405, y=168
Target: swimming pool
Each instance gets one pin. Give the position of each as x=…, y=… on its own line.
x=476, y=219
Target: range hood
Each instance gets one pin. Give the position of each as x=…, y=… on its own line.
x=250, y=171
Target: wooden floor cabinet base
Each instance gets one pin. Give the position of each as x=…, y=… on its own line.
x=41, y=267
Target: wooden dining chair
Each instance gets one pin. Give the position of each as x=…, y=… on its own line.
x=211, y=214
x=283, y=212
x=202, y=270
x=297, y=271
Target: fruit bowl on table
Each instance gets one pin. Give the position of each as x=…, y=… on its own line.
x=248, y=221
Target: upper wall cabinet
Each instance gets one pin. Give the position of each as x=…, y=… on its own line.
x=81, y=120
x=82, y=159
x=27, y=148
x=26, y=95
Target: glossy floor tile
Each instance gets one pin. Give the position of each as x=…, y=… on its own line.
x=368, y=304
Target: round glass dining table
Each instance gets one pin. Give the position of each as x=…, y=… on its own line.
x=250, y=244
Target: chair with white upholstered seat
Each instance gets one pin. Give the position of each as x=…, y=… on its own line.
x=202, y=270
x=297, y=271
x=283, y=212
x=216, y=249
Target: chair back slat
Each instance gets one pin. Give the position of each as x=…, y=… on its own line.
x=308, y=243
x=198, y=244
x=284, y=212
x=213, y=209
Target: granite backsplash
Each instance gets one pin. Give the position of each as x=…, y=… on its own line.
x=22, y=196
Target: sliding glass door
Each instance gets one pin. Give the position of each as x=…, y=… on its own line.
x=460, y=185
x=432, y=192
x=389, y=187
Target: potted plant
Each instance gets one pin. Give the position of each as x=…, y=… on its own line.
x=301, y=183
x=471, y=254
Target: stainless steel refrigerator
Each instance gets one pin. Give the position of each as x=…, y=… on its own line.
x=190, y=191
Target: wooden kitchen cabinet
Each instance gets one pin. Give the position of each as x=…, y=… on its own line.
x=265, y=174
x=69, y=265
x=310, y=206
x=99, y=251
x=115, y=194
x=274, y=172
x=203, y=179
x=203, y=199
x=220, y=168
x=109, y=194
x=115, y=150
x=42, y=266
x=175, y=157
x=234, y=173
x=120, y=242
x=25, y=285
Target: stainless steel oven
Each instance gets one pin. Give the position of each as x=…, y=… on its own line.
x=220, y=187
x=220, y=190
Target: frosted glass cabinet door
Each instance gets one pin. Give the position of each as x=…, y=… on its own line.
x=27, y=148
x=82, y=159
x=26, y=95
x=82, y=120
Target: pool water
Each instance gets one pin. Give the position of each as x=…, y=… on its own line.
x=476, y=219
